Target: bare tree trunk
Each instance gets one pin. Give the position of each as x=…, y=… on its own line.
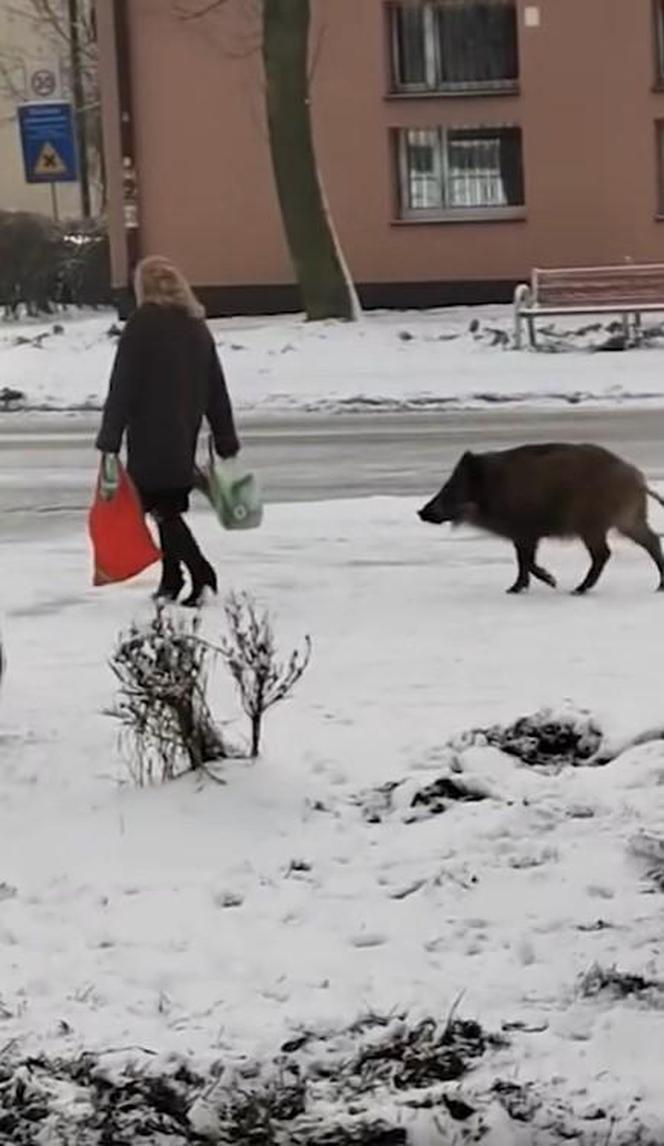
x=319, y=267
x=256, y=732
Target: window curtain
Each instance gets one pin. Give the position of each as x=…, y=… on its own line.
x=511, y=166
x=477, y=42
x=411, y=52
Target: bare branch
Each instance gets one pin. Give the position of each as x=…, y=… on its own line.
x=44, y=11
x=15, y=91
x=162, y=705
x=250, y=654
x=249, y=40
x=201, y=12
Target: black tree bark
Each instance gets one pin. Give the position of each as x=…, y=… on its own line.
x=78, y=94
x=319, y=267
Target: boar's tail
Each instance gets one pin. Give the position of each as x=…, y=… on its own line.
x=656, y=496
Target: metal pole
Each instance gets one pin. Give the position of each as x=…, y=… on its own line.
x=54, y=203
x=78, y=93
x=127, y=140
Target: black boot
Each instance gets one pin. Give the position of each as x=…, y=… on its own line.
x=172, y=581
x=171, y=584
x=203, y=576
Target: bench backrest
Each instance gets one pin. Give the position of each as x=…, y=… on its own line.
x=624, y=285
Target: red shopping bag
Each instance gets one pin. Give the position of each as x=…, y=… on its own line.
x=122, y=544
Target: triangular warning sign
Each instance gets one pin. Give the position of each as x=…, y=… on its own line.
x=49, y=162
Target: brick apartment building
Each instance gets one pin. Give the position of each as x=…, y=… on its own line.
x=461, y=143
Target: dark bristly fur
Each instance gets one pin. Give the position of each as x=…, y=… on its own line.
x=553, y=490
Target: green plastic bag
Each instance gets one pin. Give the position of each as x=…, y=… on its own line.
x=234, y=495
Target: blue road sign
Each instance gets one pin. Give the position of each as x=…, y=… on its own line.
x=48, y=139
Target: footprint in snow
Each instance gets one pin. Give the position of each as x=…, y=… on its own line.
x=227, y=899
x=368, y=939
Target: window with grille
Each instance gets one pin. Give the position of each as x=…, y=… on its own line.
x=460, y=172
x=455, y=46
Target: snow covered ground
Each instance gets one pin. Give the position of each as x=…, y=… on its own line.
x=418, y=360
x=216, y=922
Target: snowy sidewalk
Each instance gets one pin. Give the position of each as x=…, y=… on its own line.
x=431, y=360
x=219, y=921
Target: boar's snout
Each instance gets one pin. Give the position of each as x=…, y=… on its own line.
x=456, y=501
x=432, y=512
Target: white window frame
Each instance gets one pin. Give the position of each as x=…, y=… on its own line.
x=439, y=160
x=432, y=84
x=410, y=214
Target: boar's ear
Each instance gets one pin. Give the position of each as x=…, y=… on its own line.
x=471, y=467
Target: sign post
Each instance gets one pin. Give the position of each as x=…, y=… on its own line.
x=48, y=142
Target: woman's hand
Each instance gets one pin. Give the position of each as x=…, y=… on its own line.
x=109, y=478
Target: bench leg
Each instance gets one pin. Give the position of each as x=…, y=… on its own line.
x=522, y=299
x=638, y=328
x=518, y=330
x=532, y=335
x=626, y=329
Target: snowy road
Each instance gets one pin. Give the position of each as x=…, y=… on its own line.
x=47, y=461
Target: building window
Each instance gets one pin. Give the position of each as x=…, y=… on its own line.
x=658, y=9
x=455, y=46
x=464, y=173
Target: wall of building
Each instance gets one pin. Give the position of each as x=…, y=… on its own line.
x=587, y=106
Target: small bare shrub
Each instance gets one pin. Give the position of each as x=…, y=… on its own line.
x=598, y=980
x=250, y=653
x=162, y=669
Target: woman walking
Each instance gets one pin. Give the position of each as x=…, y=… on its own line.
x=165, y=379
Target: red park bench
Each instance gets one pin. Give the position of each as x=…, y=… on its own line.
x=629, y=290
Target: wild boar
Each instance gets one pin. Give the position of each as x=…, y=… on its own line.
x=553, y=490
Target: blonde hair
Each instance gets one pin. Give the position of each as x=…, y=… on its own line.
x=157, y=280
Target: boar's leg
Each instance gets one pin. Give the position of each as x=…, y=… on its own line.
x=543, y=575
x=641, y=534
x=525, y=557
x=600, y=553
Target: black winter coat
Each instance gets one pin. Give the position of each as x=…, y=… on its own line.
x=165, y=379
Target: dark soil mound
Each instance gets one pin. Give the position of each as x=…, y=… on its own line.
x=549, y=740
